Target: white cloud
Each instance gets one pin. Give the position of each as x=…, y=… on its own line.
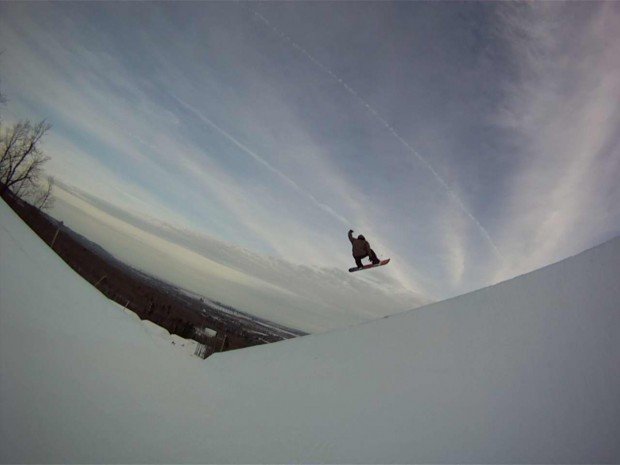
x=237, y=135
x=565, y=107
x=307, y=297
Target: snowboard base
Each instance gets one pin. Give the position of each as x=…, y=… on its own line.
x=365, y=267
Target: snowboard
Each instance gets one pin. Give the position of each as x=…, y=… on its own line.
x=365, y=267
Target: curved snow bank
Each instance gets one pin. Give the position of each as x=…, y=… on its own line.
x=525, y=371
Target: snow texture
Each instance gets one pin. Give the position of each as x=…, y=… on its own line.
x=525, y=371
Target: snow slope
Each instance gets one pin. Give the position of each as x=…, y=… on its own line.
x=524, y=371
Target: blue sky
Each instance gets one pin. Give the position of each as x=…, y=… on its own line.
x=229, y=147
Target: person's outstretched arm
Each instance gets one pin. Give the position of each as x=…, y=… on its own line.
x=351, y=235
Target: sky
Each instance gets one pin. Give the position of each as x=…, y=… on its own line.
x=229, y=147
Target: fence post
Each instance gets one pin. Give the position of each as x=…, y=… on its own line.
x=223, y=342
x=56, y=235
x=102, y=278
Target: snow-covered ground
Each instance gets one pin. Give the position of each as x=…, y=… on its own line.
x=524, y=371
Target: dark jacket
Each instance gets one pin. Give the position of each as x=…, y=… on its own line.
x=361, y=248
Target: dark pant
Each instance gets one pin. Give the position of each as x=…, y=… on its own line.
x=371, y=255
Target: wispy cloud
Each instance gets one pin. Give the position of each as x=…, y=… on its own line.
x=264, y=163
x=445, y=135
x=383, y=122
x=312, y=298
x=565, y=106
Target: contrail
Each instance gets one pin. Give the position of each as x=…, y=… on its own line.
x=387, y=125
x=262, y=161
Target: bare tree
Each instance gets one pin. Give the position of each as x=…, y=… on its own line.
x=21, y=159
x=40, y=196
x=46, y=201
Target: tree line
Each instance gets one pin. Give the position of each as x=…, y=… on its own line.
x=22, y=160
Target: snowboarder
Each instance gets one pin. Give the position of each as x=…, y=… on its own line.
x=361, y=249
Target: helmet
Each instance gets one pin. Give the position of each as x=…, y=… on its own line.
x=361, y=238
